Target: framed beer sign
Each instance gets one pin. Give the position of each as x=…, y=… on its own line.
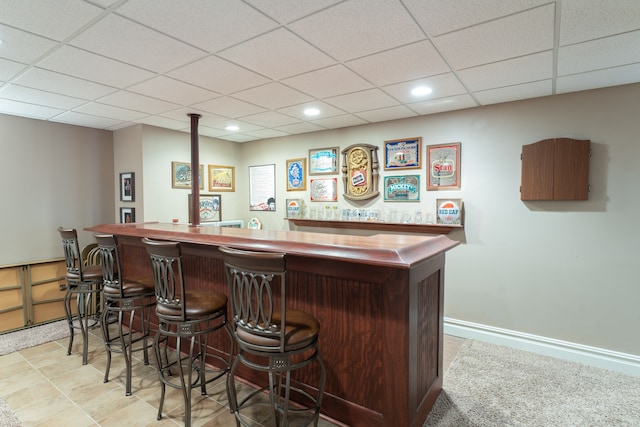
x=402, y=153
x=443, y=166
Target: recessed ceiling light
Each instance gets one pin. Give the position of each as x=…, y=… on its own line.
x=311, y=112
x=421, y=91
x=232, y=127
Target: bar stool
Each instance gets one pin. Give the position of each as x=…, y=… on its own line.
x=85, y=284
x=124, y=296
x=283, y=340
x=185, y=314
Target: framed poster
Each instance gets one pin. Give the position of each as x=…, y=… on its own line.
x=127, y=187
x=181, y=175
x=210, y=208
x=222, y=178
x=323, y=161
x=296, y=170
x=127, y=215
x=443, y=166
x=324, y=190
x=402, y=153
x=449, y=211
x=262, y=188
x=403, y=188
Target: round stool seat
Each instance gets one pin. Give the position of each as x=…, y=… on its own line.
x=301, y=329
x=89, y=273
x=130, y=288
x=201, y=303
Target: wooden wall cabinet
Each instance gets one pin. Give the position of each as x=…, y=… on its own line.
x=555, y=169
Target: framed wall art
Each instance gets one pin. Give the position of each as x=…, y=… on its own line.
x=222, y=178
x=262, y=188
x=181, y=175
x=402, y=153
x=360, y=171
x=324, y=161
x=443, y=166
x=127, y=187
x=127, y=215
x=210, y=206
x=296, y=170
x=403, y=188
x=324, y=190
x=449, y=211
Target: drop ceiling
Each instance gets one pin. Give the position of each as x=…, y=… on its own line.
x=259, y=63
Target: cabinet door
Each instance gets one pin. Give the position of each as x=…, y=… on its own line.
x=537, y=170
x=571, y=171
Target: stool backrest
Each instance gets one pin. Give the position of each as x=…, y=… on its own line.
x=110, y=260
x=257, y=289
x=168, y=278
x=72, y=256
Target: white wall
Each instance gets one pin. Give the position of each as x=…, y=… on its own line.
x=51, y=175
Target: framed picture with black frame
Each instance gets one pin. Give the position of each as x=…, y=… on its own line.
x=127, y=187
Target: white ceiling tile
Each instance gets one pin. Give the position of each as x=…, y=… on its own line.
x=24, y=109
x=444, y=104
x=302, y=127
x=39, y=78
x=8, y=68
x=109, y=111
x=285, y=11
x=401, y=64
x=21, y=46
x=598, y=54
x=442, y=16
x=207, y=73
x=76, y=62
x=172, y=90
x=369, y=26
x=211, y=132
x=444, y=85
x=54, y=19
x=228, y=106
x=126, y=41
x=273, y=96
x=161, y=122
x=510, y=37
x=182, y=114
x=267, y=133
x=40, y=97
x=514, y=93
x=342, y=121
x=389, y=113
x=361, y=101
x=269, y=119
x=584, y=20
x=510, y=72
x=210, y=25
x=327, y=82
x=297, y=111
x=596, y=79
x=277, y=55
x=239, y=137
x=80, y=119
x=137, y=102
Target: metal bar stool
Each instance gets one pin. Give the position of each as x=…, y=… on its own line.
x=85, y=284
x=271, y=338
x=124, y=296
x=185, y=314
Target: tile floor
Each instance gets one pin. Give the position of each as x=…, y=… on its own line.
x=45, y=387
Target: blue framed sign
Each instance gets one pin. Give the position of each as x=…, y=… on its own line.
x=404, y=188
x=296, y=170
x=402, y=153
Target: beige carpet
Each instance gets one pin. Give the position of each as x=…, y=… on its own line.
x=489, y=385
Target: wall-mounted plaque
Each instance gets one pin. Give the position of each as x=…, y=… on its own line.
x=404, y=188
x=443, y=166
x=360, y=171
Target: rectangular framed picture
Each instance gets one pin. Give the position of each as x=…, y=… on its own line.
x=127, y=215
x=262, y=188
x=443, y=166
x=402, y=153
x=449, y=211
x=222, y=178
x=402, y=188
x=296, y=174
x=127, y=187
x=324, y=190
x=181, y=175
x=210, y=208
x=324, y=161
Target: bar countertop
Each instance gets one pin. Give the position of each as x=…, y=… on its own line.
x=401, y=251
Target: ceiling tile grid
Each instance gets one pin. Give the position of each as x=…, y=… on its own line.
x=259, y=63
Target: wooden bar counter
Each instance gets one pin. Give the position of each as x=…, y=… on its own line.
x=379, y=300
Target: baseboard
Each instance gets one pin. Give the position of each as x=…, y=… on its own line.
x=622, y=362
